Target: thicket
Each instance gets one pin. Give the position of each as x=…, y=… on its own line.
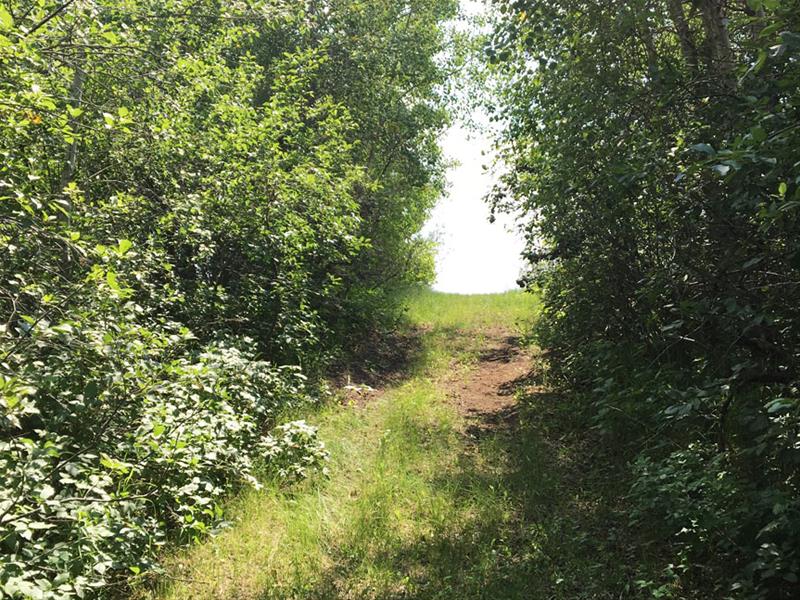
x=202, y=204
x=653, y=148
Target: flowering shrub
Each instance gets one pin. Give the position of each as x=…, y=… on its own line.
x=294, y=450
x=95, y=481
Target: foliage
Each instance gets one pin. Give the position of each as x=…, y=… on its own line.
x=653, y=148
x=108, y=473
x=429, y=500
x=200, y=203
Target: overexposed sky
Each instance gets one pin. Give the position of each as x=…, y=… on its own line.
x=474, y=256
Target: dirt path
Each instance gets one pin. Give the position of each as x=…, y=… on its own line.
x=485, y=396
x=421, y=503
x=461, y=476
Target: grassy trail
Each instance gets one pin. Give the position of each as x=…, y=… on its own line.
x=452, y=484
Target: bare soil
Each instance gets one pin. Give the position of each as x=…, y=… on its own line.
x=486, y=396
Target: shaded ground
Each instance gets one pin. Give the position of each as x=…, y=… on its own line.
x=382, y=360
x=537, y=509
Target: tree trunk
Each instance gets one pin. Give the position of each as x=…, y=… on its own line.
x=688, y=47
x=720, y=53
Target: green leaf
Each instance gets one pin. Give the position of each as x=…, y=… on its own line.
x=671, y=326
x=782, y=189
x=6, y=21
x=721, y=170
x=772, y=28
x=758, y=134
x=111, y=37
x=760, y=61
x=752, y=262
x=91, y=390
x=114, y=464
x=111, y=280
x=779, y=404
x=706, y=149
x=124, y=246
x=792, y=40
x=63, y=328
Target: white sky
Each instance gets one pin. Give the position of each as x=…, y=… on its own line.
x=474, y=256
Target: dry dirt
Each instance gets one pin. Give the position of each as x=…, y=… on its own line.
x=485, y=395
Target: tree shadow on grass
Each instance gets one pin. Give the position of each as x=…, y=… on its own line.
x=535, y=514
x=382, y=360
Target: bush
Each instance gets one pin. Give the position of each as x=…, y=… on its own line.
x=94, y=482
x=652, y=149
x=201, y=204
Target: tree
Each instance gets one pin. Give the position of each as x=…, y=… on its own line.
x=652, y=147
x=199, y=199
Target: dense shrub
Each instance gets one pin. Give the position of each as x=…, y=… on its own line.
x=99, y=478
x=201, y=204
x=653, y=149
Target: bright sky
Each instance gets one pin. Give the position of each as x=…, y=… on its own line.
x=474, y=256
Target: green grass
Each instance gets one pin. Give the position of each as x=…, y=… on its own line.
x=473, y=311
x=415, y=510
x=295, y=543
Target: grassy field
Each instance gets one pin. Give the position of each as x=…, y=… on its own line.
x=414, y=508
x=474, y=311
